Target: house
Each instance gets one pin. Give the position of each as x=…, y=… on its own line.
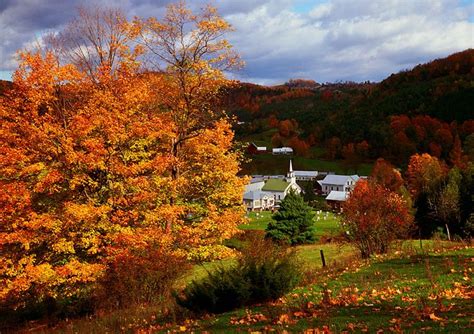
x=257, y=201
x=267, y=193
x=335, y=199
x=279, y=188
x=338, y=183
x=282, y=150
x=256, y=148
x=305, y=175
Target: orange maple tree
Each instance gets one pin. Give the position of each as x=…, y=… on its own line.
x=88, y=166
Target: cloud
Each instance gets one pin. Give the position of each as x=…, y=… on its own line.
x=331, y=40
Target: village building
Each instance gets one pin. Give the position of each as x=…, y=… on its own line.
x=257, y=148
x=335, y=199
x=338, y=183
x=266, y=194
x=282, y=151
x=306, y=175
x=258, y=201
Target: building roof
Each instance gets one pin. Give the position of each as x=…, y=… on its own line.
x=275, y=185
x=253, y=195
x=334, y=195
x=283, y=149
x=254, y=186
x=259, y=145
x=310, y=173
x=337, y=179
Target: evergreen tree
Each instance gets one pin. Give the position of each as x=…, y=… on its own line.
x=293, y=222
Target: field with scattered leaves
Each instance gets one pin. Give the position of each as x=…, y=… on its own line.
x=406, y=291
x=413, y=289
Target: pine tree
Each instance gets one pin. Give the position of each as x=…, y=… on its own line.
x=293, y=222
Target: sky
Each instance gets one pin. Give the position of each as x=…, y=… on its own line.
x=323, y=40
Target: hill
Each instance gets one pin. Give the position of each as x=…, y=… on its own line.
x=425, y=109
x=5, y=86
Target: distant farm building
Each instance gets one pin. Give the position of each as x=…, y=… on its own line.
x=256, y=148
x=282, y=151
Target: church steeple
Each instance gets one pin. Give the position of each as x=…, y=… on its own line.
x=290, y=177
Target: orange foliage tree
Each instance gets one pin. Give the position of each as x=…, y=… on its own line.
x=373, y=216
x=88, y=166
x=385, y=174
x=424, y=174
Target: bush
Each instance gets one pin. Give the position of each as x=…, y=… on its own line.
x=265, y=272
x=140, y=276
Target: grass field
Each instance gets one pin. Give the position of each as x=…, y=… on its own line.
x=326, y=225
x=412, y=289
x=409, y=292
x=269, y=164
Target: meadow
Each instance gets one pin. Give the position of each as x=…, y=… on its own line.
x=419, y=286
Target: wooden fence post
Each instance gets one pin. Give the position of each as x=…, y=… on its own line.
x=323, y=260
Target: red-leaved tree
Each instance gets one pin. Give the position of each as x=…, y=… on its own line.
x=373, y=217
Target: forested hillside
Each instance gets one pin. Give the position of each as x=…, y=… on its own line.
x=425, y=109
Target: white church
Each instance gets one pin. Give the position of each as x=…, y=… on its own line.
x=267, y=194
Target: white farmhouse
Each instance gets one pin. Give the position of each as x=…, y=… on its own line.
x=282, y=150
x=338, y=183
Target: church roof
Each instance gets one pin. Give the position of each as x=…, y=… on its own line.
x=275, y=185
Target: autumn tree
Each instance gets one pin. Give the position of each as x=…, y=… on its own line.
x=300, y=147
x=447, y=203
x=385, y=174
x=373, y=217
x=97, y=40
x=333, y=147
x=191, y=53
x=425, y=179
x=87, y=167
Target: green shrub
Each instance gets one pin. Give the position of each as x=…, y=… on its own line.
x=263, y=273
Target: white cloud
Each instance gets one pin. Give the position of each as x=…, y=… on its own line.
x=335, y=40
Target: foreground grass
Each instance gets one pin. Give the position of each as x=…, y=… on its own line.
x=409, y=292
x=413, y=289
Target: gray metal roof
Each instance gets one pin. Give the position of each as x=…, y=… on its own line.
x=334, y=195
x=312, y=173
x=338, y=179
x=253, y=195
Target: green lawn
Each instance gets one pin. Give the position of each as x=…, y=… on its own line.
x=269, y=164
x=327, y=224
x=410, y=292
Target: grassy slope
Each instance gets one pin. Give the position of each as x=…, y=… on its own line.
x=412, y=290
x=399, y=292
x=278, y=164
x=408, y=292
